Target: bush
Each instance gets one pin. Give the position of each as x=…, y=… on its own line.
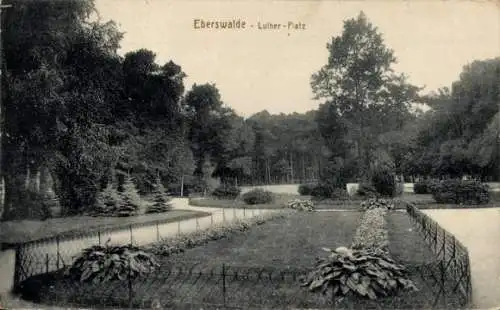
x=228, y=192
x=366, y=190
x=161, y=202
x=306, y=189
x=99, y=264
x=384, y=182
x=301, y=205
x=421, y=187
x=258, y=196
x=460, y=192
x=366, y=273
x=107, y=202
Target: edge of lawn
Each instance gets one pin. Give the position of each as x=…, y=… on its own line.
x=15, y=232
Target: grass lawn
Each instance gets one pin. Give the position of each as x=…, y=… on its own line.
x=263, y=265
x=408, y=247
x=27, y=230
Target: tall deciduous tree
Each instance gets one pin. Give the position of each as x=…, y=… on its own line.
x=359, y=89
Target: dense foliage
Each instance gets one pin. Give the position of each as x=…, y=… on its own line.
x=258, y=196
x=368, y=273
x=106, y=263
x=366, y=190
x=384, y=182
x=374, y=203
x=421, y=187
x=460, y=192
x=227, y=192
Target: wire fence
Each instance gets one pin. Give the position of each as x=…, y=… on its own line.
x=223, y=286
x=453, y=269
x=53, y=253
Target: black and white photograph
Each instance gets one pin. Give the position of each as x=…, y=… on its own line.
x=249, y=154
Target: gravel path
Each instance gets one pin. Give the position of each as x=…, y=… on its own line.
x=479, y=231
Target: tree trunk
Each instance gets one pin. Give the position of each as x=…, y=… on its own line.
x=182, y=186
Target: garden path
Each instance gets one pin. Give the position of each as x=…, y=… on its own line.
x=479, y=231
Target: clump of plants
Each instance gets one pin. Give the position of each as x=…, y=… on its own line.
x=226, y=192
x=366, y=273
x=375, y=203
x=99, y=264
x=301, y=205
x=258, y=196
x=372, y=232
x=161, y=201
x=460, y=192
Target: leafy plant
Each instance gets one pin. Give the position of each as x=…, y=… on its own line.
x=99, y=264
x=301, y=205
x=161, y=202
x=226, y=191
x=374, y=203
x=258, y=196
x=366, y=272
x=460, y=192
x=384, y=182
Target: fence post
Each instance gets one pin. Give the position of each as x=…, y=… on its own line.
x=131, y=238
x=46, y=262
x=211, y=219
x=197, y=224
x=58, y=254
x=244, y=213
x=18, y=266
x=130, y=289
x=224, y=284
x=157, y=232
x=223, y=215
x=99, y=236
x=234, y=213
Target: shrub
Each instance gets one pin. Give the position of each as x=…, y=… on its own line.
x=460, y=192
x=99, y=264
x=384, y=182
x=130, y=199
x=366, y=273
x=161, y=202
x=374, y=203
x=258, y=196
x=306, y=189
x=366, y=190
x=228, y=191
x=301, y=205
x=421, y=187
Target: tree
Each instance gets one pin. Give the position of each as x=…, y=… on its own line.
x=359, y=88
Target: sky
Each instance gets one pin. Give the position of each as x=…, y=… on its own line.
x=257, y=69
